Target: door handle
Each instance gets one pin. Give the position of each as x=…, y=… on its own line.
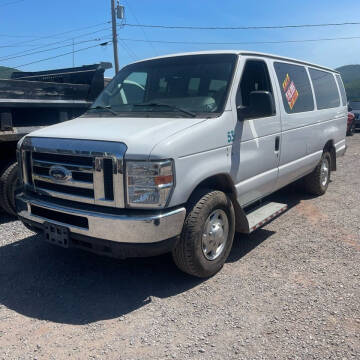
x=277, y=143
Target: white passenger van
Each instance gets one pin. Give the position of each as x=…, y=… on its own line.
x=175, y=150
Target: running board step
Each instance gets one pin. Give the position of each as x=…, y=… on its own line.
x=264, y=214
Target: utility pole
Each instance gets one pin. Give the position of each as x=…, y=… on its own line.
x=114, y=33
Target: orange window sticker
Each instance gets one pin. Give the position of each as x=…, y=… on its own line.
x=291, y=95
x=286, y=82
x=290, y=90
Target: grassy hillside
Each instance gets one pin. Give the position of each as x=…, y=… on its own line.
x=351, y=77
x=5, y=72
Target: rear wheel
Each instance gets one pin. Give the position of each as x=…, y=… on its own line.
x=353, y=128
x=9, y=182
x=317, y=182
x=207, y=235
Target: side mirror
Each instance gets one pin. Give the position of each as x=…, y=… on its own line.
x=261, y=104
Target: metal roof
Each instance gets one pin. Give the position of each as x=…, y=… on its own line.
x=247, y=53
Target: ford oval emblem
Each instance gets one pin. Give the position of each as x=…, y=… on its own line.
x=59, y=173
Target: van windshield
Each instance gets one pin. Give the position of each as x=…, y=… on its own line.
x=178, y=86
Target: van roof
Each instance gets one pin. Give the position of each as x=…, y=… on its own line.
x=247, y=53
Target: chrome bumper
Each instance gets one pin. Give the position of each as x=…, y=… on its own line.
x=137, y=227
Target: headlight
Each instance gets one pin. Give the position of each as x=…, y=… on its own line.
x=149, y=183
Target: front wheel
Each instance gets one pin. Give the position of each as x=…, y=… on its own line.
x=207, y=235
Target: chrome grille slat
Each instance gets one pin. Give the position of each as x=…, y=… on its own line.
x=93, y=179
x=61, y=195
x=72, y=167
x=71, y=182
x=99, y=179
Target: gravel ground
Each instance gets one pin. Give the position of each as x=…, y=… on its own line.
x=289, y=291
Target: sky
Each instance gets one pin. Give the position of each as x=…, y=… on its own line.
x=28, y=26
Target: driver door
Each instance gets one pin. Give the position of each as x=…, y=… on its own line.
x=256, y=147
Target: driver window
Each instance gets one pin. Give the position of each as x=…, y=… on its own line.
x=254, y=78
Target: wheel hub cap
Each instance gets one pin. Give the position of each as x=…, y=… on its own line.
x=324, y=172
x=215, y=234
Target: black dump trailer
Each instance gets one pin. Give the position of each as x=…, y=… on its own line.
x=31, y=100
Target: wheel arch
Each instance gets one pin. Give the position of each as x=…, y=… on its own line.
x=330, y=148
x=224, y=183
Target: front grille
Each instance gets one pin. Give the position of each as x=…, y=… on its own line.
x=43, y=185
x=64, y=158
x=108, y=179
x=79, y=185
x=89, y=172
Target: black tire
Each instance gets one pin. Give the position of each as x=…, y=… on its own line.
x=314, y=182
x=188, y=253
x=9, y=182
x=351, y=130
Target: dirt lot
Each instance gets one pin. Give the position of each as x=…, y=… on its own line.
x=289, y=291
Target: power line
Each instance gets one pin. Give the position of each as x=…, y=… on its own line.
x=142, y=29
x=51, y=49
x=37, y=47
x=243, y=42
x=240, y=27
x=68, y=53
x=62, y=33
x=17, y=36
x=25, y=45
x=127, y=49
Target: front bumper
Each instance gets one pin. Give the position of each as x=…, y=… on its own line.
x=127, y=227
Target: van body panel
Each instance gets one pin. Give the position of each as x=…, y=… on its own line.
x=200, y=152
x=298, y=168
x=258, y=149
x=305, y=134
x=254, y=161
x=139, y=133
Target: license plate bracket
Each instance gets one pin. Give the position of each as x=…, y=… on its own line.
x=57, y=234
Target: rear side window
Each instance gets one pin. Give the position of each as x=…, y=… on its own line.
x=342, y=90
x=295, y=87
x=326, y=92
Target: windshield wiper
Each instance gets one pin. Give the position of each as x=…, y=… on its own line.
x=108, y=108
x=190, y=113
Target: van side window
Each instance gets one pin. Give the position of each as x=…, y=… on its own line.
x=342, y=90
x=254, y=78
x=295, y=87
x=326, y=92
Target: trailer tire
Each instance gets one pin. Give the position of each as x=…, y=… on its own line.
x=207, y=210
x=9, y=182
x=317, y=182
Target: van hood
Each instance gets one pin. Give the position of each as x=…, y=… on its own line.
x=140, y=135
